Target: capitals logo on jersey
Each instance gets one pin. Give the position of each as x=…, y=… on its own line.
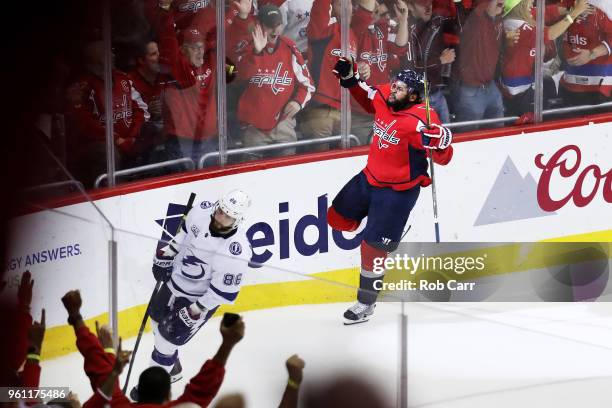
x=378, y=58
x=193, y=6
x=272, y=78
x=384, y=133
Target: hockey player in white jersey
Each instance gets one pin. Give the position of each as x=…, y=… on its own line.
x=202, y=268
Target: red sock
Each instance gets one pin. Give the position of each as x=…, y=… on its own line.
x=368, y=253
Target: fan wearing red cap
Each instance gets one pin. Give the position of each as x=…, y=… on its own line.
x=278, y=84
x=189, y=104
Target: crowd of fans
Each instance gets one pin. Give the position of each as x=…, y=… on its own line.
x=104, y=362
x=478, y=56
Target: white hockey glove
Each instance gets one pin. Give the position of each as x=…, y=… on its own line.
x=190, y=315
x=436, y=137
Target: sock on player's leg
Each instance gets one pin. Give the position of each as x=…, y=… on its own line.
x=367, y=293
x=165, y=355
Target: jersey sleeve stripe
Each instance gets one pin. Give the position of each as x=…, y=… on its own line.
x=229, y=296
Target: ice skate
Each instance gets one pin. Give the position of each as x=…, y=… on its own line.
x=177, y=372
x=358, y=313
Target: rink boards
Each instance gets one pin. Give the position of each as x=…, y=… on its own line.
x=554, y=184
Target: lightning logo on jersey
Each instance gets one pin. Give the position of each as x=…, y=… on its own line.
x=204, y=257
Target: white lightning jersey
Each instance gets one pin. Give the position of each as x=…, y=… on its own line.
x=208, y=269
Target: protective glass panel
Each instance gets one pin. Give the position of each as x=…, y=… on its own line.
x=64, y=245
x=577, y=78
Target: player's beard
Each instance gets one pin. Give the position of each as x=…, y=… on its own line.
x=217, y=228
x=398, y=105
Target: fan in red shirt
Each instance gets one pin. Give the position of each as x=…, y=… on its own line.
x=150, y=82
x=519, y=58
x=322, y=116
x=380, y=41
x=278, y=84
x=388, y=188
x=85, y=116
x=587, y=49
x=189, y=104
x=154, y=383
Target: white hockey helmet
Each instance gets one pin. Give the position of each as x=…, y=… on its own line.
x=234, y=204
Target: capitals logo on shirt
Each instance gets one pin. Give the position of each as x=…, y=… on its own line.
x=272, y=78
x=378, y=58
x=384, y=133
x=193, y=6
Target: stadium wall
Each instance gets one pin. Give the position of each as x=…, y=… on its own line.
x=542, y=182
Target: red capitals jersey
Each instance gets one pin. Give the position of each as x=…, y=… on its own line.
x=376, y=45
x=87, y=119
x=519, y=59
x=275, y=76
x=189, y=103
x=587, y=33
x=201, y=14
x=397, y=158
x=324, y=49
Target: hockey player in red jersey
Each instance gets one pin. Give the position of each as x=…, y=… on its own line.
x=388, y=188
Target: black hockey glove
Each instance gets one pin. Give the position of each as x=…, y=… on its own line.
x=162, y=268
x=347, y=72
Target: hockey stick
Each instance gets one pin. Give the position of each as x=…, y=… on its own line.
x=434, y=196
x=157, y=287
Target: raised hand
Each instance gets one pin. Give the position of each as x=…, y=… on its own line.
x=244, y=7
x=105, y=335
x=36, y=334
x=401, y=10
x=295, y=368
x=24, y=292
x=260, y=39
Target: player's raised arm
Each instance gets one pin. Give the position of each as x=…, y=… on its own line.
x=346, y=71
